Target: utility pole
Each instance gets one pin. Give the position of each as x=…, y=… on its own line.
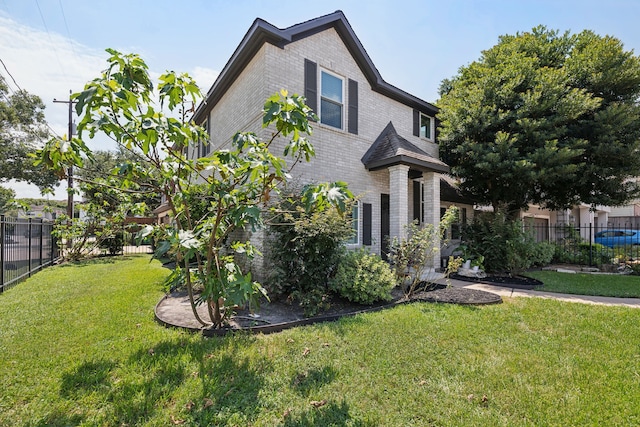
x=70, y=102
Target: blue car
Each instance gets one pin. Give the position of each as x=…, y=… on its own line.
x=613, y=238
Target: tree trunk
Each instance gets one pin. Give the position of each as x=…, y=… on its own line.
x=194, y=307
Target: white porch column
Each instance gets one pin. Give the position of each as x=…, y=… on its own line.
x=398, y=200
x=431, y=182
x=586, y=218
x=603, y=220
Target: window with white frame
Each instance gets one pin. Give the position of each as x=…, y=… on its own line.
x=355, y=224
x=204, y=146
x=331, y=99
x=426, y=127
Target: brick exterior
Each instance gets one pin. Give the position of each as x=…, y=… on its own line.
x=338, y=153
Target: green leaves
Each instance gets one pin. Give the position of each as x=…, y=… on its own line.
x=321, y=196
x=210, y=197
x=524, y=124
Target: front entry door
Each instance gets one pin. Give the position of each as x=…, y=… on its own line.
x=385, y=225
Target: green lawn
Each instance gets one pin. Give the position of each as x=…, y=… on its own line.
x=607, y=285
x=79, y=346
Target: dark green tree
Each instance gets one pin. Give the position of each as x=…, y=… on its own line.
x=6, y=199
x=22, y=129
x=545, y=118
x=100, y=181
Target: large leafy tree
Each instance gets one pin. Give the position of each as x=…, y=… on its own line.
x=22, y=129
x=545, y=118
x=209, y=197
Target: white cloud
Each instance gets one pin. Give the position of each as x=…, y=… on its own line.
x=47, y=65
x=50, y=65
x=29, y=191
x=204, y=77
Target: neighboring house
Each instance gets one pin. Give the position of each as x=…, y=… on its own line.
x=626, y=216
x=376, y=137
x=40, y=212
x=586, y=219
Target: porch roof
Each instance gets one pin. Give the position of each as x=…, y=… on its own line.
x=391, y=149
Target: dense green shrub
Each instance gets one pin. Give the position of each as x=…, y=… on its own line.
x=542, y=254
x=304, y=250
x=583, y=253
x=363, y=277
x=113, y=243
x=506, y=246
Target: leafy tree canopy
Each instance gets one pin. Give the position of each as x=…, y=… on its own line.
x=101, y=182
x=22, y=128
x=6, y=199
x=232, y=185
x=545, y=118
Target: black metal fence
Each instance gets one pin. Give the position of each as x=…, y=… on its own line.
x=27, y=246
x=590, y=244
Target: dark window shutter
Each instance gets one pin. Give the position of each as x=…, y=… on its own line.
x=416, y=123
x=417, y=199
x=353, y=107
x=366, y=224
x=311, y=84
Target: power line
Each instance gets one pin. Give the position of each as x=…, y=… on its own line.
x=21, y=90
x=51, y=40
x=7, y=70
x=64, y=18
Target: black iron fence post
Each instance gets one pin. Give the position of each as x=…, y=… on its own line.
x=40, y=259
x=590, y=245
x=29, y=231
x=2, y=245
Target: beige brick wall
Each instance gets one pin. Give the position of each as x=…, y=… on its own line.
x=338, y=152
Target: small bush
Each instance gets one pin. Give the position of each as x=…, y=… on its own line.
x=542, y=254
x=583, y=253
x=412, y=256
x=364, y=278
x=304, y=250
x=114, y=243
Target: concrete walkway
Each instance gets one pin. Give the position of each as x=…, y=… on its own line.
x=507, y=292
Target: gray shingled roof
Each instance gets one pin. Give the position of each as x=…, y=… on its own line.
x=391, y=149
x=263, y=32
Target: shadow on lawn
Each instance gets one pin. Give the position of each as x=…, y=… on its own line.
x=99, y=259
x=133, y=391
x=311, y=380
x=332, y=414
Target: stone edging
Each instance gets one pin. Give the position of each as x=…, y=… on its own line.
x=277, y=327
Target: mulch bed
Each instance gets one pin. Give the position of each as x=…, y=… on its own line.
x=276, y=316
x=461, y=296
x=517, y=282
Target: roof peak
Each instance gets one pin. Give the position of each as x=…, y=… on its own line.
x=262, y=32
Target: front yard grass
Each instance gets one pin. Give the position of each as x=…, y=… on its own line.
x=608, y=285
x=79, y=346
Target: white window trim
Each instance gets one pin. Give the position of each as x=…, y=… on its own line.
x=206, y=148
x=431, y=127
x=357, y=206
x=344, y=98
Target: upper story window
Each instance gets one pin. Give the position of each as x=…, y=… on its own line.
x=426, y=127
x=331, y=99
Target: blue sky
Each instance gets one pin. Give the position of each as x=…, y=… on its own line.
x=52, y=46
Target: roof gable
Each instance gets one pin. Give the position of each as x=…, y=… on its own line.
x=390, y=149
x=262, y=32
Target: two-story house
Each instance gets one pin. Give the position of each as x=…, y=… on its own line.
x=376, y=137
